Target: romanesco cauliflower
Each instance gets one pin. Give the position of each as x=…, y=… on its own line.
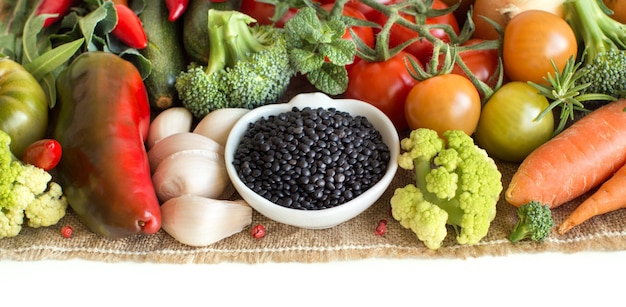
x=26, y=192
x=457, y=184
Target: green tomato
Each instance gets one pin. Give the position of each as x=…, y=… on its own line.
x=508, y=129
x=23, y=106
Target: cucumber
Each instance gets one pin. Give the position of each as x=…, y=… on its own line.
x=164, y=52
x=195, y=27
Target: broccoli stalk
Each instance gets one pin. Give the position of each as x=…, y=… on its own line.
x=456, y=184
x=604, y=40
x=535, y=223
x=248, y=66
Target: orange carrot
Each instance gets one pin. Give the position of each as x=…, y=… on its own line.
x=609, y=197
x=573, y=162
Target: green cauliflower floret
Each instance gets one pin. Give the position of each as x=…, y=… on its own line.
x=248, y=66
x=457, y=185
x=26, y=191
x=428, y=221
x=535, y=222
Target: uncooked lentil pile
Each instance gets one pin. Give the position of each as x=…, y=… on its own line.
x=311, y=159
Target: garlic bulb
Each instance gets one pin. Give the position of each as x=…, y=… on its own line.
x=180, y=142
x=169, y=121
x=201, y=221
x=193, y=171
x=218, y=123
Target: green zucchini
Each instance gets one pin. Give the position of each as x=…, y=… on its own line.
x=195, y=27
x=164, y=52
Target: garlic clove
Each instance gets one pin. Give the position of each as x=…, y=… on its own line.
x=169, y=121
x=180, y=142
x=201, y=221
x=218, y=123
x=196, y=172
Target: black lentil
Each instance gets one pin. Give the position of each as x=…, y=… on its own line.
x=311, y=158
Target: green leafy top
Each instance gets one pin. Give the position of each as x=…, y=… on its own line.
x=318, y=50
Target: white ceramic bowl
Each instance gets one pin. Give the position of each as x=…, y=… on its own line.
x=323, y=218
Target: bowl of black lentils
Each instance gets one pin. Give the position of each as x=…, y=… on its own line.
x=313, y=162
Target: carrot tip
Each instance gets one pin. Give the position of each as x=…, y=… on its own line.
x=565, y=227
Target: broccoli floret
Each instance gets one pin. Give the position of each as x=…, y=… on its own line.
x=535, y=222
x=603, y=55
x=248, y=66
x=456, y=184
x=26, y=193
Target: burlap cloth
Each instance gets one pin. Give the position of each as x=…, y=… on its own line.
x=351, y=240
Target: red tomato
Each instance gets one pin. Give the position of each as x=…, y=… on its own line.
x=368, y=11
x=444, y=102
x=421, y=49
x=263, y=12
x=482, y=63
x=385, y=85
x=366, y=34
x=43, y=153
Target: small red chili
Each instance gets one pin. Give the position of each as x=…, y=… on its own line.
x=44, y=153
x=176, y=8
x=59, y=7
x=258, y=231
x=67, y=231
x=129, y=29
x=381, y=229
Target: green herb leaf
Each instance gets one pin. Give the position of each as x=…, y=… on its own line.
x=340, y=52
x=53, y=59
x=305, y=61
x=31, y=42
x=103, y=18
x=330, y=79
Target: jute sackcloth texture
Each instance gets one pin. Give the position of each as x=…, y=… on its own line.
x=352, y=240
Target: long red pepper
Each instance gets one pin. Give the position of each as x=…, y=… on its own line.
x=129, y=29
x=59, y=7
x=176, y=8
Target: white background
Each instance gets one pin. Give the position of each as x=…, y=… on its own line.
x=580, y=279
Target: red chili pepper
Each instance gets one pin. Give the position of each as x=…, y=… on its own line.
x=129, y=29
x=59, y=7
x=381, y=229
x=258, y=231
x=177, y=8
x=67, y=231
x=44, y=153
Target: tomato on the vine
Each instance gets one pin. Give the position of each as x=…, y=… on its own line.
x=369, y=12
x=383, y=84
x=531, y=40
x=422, y=49
x=482, y=63
x=263, y=12
x=444, y=102
x=508, y=129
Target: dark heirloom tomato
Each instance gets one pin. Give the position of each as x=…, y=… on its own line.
x=384, y=85
x=23, y=106
x=507, y=129
x=421, y=49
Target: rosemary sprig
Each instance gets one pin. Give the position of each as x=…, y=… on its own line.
x=563, y=92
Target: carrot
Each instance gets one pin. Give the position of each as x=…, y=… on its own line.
x=609, y=197
x=574, y=161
